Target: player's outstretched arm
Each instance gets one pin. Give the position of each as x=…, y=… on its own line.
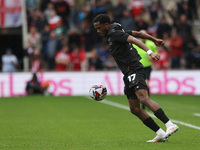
x=140, y=44
x=158, y=42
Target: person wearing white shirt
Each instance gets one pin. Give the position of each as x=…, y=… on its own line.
x=9, y=61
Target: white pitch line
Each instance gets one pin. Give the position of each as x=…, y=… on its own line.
x=197, y=114
x=152, y=115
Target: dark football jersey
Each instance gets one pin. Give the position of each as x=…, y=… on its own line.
x=125, y=55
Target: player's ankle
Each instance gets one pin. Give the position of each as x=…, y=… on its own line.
x=160, y=132
x=168, y=124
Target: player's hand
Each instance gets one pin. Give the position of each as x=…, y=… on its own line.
x=159, y=42
x=155, y=56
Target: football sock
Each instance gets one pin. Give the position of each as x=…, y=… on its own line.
x=149, y=122
x=161, y=115
x=169, y=123
x=160, y=132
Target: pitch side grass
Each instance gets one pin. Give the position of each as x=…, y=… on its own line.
x=79, y=123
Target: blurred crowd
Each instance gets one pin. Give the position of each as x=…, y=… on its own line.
x=61, y=36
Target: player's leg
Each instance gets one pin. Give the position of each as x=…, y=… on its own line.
x=147, y=83
x=147, y=77
x=143, y=97
x=135, y=109
x=135, y=88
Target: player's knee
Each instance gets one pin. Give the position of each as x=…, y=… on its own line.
x=143, y=99
x=136, y=111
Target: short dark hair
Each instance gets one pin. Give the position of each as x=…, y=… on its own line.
x=102, y=19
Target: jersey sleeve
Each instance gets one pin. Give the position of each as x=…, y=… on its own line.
x=119, y=35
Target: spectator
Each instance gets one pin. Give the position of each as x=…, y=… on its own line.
x=34, y=37
x=145, y=16
x=9, y=61
x=97, y=8
x=118, y=10
x=176, y=50
x=53, y=45
x=95, y=62
x=60, y=29
x=53, y=20
x=77, y=57
x=74, y=38
x=127, y=21
x=49, y=10
x=63, y=10
x=166, y=38
x=160, y=9
x=44, y=38
x=141, y=24
x=163, y=27
x=180, y=9
x=152, y=28
x=88, y=35
x=44, y=4
x=187, y=12
x=36, y=63
x=30, y=50
x=34, y=86
x=73, y=17
x=40, y=21
x=153, y=11
x=103, y=53
x=108, y=4
x=136, y=7
x=193, y=8
x=191, y=51
x=62, y=59
x=163, y=63
x=184, y=29
x=78, y=15
x=111, y=15
x=172, y=13
x=31, y=4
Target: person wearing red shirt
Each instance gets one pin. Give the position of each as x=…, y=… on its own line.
x=77, y=56
x=62, y=59
x=53, y=20
x=176, y=49
x=136, y=7
x=163, y=63
x=36, y=63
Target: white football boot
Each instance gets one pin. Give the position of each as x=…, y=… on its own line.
x=170, y=130
x=158, y=139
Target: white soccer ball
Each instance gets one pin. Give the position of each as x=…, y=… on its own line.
x=98, y=92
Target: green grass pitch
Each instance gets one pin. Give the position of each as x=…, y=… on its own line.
x=79, y=123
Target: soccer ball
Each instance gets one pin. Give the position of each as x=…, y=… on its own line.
x=98, y=92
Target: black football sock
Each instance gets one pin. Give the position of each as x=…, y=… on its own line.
x=161, y=115
x=149, y=122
